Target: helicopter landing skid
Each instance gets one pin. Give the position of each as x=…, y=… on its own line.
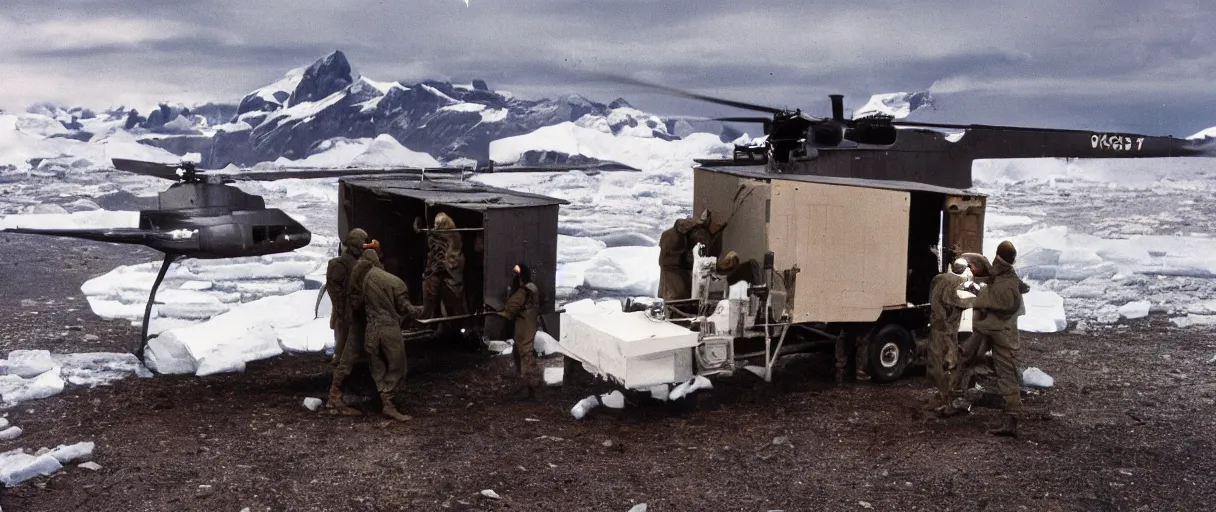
x=160, y=276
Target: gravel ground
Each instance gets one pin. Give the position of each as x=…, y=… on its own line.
x=1128, y=426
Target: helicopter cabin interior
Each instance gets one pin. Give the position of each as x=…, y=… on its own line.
x=499, y=228
x=863, y=248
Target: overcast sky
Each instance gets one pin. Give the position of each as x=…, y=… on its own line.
x=1101, y=64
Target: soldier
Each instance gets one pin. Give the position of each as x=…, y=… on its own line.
x=353, y=348
x=675, y=254
x=337, y=283
x=443, y=280
x=856, y=344
x=946, y=310
x=387, y=304
x=996, y=318
x=523, y=307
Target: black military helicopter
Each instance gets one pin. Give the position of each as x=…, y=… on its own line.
x=202, y=216
x=880, y=147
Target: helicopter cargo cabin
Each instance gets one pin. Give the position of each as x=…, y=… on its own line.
x=833, y=253
x=499, y=228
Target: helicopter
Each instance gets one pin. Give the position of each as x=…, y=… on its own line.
x=878, y=147
x=202, y=216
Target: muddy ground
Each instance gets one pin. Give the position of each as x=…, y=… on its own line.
x=1128, y=426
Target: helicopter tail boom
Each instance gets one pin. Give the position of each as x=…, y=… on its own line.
x=993, y=142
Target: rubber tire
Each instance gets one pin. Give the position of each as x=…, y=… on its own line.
x=887, y=337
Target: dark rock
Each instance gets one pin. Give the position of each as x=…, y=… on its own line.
x=216, y=113
x=72, y=125
x=323, y=78
x=480, y=85
x=133, y=120
x=619, y=103
x=81, y=136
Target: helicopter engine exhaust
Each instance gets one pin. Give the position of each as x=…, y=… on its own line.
x=837, y=106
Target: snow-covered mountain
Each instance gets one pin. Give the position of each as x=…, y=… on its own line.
x=321, y=114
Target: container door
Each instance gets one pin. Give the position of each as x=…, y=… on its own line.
x=962, y=227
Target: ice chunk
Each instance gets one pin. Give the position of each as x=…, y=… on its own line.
x=29, y=363
x=71, y=453
x=10, y=433
x=17, y=466
x=615, y=400
x=1035, y=377
x=14, y=389
x=99, y=219
x=499, y=346
x=577, y=248
x=553, y=376
x=686, y=388
x=249, y=332
x=630, y=270
x=312, y=403
x=1134, y=310
x=1044, y=312
x=100, y=368
x=544, y=344
x=314, y=336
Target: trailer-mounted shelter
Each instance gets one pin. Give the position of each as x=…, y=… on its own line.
x=499, y=228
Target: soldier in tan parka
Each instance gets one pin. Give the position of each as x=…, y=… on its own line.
x=386, y=301
x=337, y=283
x=443, y=279
x=523, y=308
x=997, y=307
x=353, y=349
x=945, y=312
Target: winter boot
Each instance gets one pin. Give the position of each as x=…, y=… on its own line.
x=1008, y=428
x=335, y=405
x=388, y=408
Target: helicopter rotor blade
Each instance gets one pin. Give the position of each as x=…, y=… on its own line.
x=154, y=169
x=304, y=174
x=690, y=95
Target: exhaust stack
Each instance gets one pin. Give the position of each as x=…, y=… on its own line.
x=837, y=106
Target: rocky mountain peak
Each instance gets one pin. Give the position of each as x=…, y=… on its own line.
x=324, y=77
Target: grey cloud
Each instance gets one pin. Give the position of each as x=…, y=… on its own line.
x=1034, y=61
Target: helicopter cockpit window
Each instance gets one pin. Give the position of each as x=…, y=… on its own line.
x=267, y=234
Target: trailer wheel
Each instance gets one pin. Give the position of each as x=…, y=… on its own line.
x=891, y=351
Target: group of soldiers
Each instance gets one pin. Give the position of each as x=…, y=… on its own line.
x=994, y=293
x=371, y=306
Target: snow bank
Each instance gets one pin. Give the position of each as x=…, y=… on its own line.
x=385, y=151
x=638, y=152
x=22, y=141
x=382, y=151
